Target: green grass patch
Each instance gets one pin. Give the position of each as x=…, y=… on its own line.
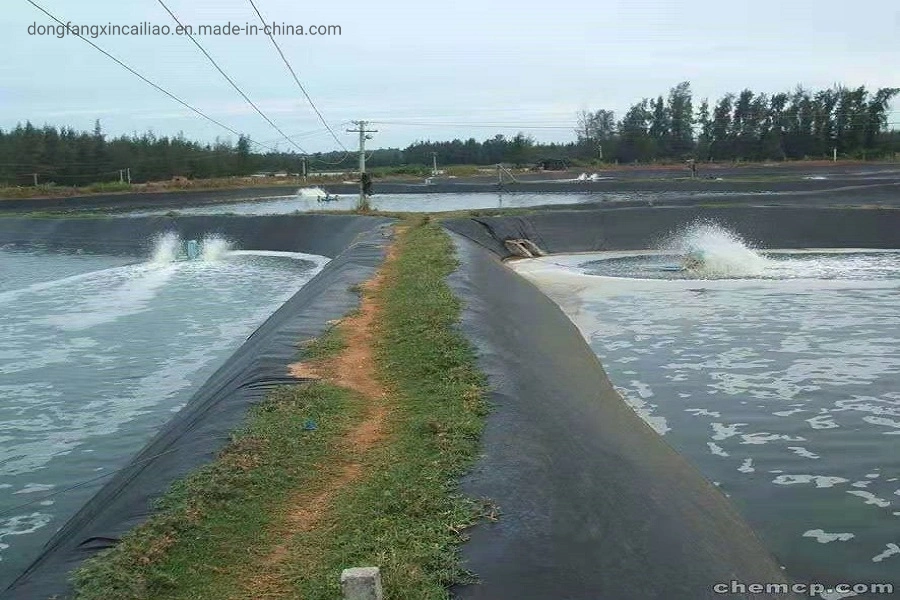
x=323, y=347
x=409, y=518
x=404, y=513
x=206, y=525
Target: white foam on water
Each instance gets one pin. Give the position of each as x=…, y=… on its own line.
x=214, y=247
x=892, y=549
x=763, y=437
x=33, y=488
x=826, y=538
x=170, y=247
x=311, y=192
x=800, y=451
x=820, y=481
x=701, y=412
x=871, y=498
x=102, y=297
x=718, y=254
x=21, y=525
x=723, y=432
x=128, y=291
x=822, y=422
x=47, y=285
x=724, y=253
x=645, y=411
x=803, y=349
x=716, y=449
x=131, y=289
x=788, y=413
x=318, y=260
x=166, y=248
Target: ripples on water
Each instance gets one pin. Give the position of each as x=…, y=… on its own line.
x=99, y=351
x=781, y=383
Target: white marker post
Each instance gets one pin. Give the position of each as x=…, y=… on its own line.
x=361, y=583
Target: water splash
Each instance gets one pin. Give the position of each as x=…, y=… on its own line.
x=169, y=248
x=166, y=248
x=214, y=247
x=721, y=253
x=311, y=192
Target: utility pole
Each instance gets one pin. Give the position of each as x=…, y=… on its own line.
x=35, y=179
x=121, y=175
x=434, y=164
x=128, y=170
x=363, y=136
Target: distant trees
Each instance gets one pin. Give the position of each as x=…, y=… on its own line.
x=753, y=126
x=596, y=133
x=66, y=157
x=745, y=126
x=680, y=141
x=797, y=125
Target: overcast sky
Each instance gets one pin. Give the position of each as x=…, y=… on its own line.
x=530, y=65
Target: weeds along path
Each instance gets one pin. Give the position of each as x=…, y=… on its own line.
x=356, y=466
x=352, y=368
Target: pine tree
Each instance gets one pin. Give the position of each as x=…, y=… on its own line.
x=681, y=121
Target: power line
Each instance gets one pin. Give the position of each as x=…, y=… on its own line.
x=297, y=79
x=147, y=81
x=311, y=132
x=231, y=81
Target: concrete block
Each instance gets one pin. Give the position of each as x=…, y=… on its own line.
x=361, y=583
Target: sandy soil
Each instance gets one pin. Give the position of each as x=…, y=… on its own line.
x=354, y=369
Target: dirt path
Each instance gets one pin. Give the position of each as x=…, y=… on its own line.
x=354, y=368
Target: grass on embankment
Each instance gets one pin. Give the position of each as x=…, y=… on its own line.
x=235, y=521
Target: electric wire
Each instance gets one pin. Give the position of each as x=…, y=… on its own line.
x=231, y=81
x=297, y=79
x=148, y=81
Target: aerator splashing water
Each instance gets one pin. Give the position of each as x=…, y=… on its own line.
x=192, y=249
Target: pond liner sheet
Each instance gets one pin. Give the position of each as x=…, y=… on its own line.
x=559, y=231
x=592, y=502
x=195, y=434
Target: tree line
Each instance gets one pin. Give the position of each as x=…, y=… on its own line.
x=747, y=125
x=67, y=157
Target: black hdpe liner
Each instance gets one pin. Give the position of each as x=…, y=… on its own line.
x=593, y=503
x=195, y=435
x=560, y=231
